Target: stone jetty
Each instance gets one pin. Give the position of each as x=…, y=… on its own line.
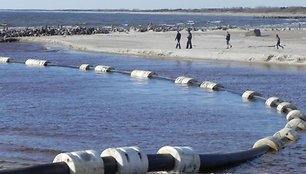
x=13, y=33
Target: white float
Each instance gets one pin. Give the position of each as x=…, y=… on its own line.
x=272, y=101
x=142, y=74
x=130, y=160
x=36, y=62
x=4, y=59
x=185, y=80
x=295, y=114
x=82, y=162
x=186, y=159
x=210, y=85
x=289, y=133
x=296, y=124
x=247, y=95
x=103, y=69
x=84, y=67
x=285, y=105
x=274, y=143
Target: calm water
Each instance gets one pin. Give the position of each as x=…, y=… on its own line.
x=45, y=111
x=39, y=18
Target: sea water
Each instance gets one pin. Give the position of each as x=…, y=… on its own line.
x=26, y=18
x=49, y=110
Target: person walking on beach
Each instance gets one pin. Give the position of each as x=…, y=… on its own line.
x=278, y=42
x=178, y=39
x=189, y=37
x=228, y=38
x=300, y=26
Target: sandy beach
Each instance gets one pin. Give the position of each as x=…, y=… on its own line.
x=210, y=45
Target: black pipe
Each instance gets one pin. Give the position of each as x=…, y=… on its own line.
x=16, y=61
x=160, y=162
x=213, y=161
x=163, y=78
x=157, y=162
x=260, y=97
x=64, y=66
x=231, y=91
x=110, y=165
x=53, y=168
x=120, y=71
x=221, y=88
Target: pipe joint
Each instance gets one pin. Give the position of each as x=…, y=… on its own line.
x=186, y=159
x=142, y=74
x=82, y=162
x=130, y=160
x=36, y=62
x=103, y=69
x=185, y=80
x=274, y=143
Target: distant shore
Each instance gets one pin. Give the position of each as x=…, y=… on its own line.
x=272, y=14
x=209, y=45
x=282, y=12
x=263, y=15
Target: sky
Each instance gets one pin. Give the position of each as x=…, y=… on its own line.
x=144, y=4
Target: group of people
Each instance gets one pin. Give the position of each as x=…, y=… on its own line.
x=178, y=39
x=227, y=38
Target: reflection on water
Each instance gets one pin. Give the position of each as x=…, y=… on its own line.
x=45, y=111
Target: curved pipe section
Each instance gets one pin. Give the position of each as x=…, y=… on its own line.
x=166, y=162
x=157, y=162
x=214, y=161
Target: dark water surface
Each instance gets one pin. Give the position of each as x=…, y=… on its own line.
x=46, y=111
x=55, y=18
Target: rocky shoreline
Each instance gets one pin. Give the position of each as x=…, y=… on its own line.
x=12, y=34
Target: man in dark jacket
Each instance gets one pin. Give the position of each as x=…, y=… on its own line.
x=228, y=38
x=189, y=37
x=178, y=39
x=278, y=42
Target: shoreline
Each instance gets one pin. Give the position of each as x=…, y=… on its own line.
x=209, y=45
x=268, y=15
x=276, y=12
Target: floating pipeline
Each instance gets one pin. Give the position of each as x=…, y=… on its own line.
x=132, y=160
x=168, y=159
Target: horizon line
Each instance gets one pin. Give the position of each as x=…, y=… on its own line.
x=154, y=9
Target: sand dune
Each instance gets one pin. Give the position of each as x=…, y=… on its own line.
x=207, y=45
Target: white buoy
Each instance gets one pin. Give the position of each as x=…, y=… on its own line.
x=185, y=80
x=272, y=101
x=4, y=59
x=285, y=105
x=130, y=160
x=186, y=159
x=142, y=74
x=248, y=95
x=274, y=143
x=289, y=133
x=296, y=124
x=103, y=69
x=295, y=114
x=84, y=67
x=210, y=85
x=82, y=162
x=36, y=62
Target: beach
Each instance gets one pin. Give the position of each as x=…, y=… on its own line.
x=207, y=45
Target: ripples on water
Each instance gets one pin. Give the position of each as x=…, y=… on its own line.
x=46, y=111
x=55, y=18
